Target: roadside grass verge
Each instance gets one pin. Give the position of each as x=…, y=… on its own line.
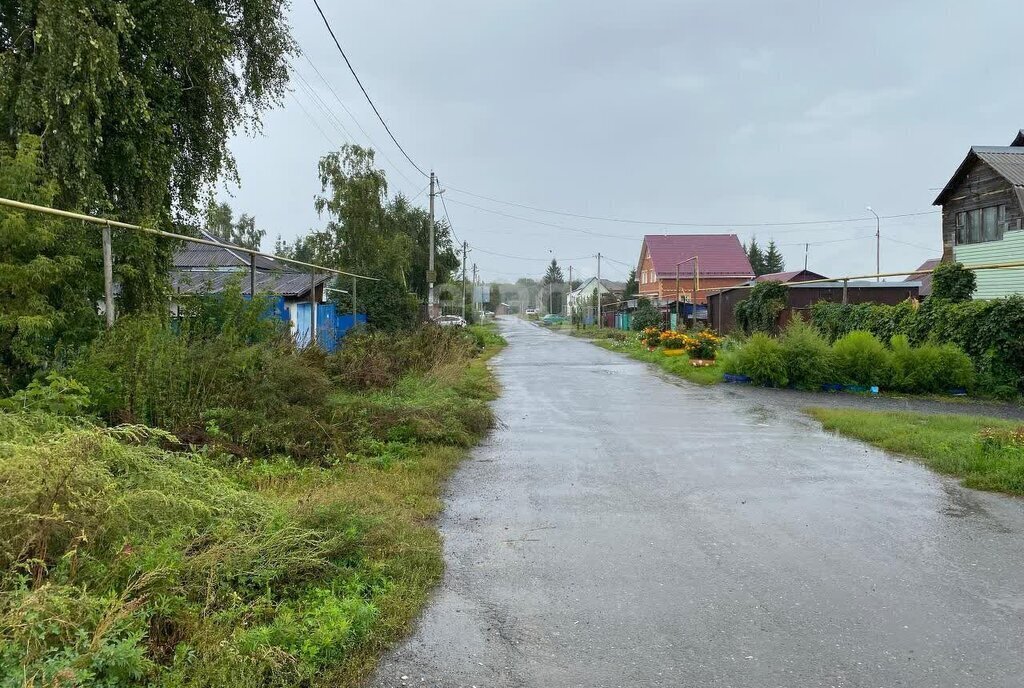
x=676, y=365
x=129, y=558
x=983, y=452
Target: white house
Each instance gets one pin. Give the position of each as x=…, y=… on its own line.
x=583, y=293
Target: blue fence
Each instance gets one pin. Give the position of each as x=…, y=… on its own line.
x=330, y=327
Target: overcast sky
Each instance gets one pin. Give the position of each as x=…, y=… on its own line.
x=703, y=112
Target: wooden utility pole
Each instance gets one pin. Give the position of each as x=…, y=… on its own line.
x=252, y=275
x=108, y=276
x=567, y=293
x=474, y=289
x=430, y=260
x=355, y=313
x=463, y=280
x=599, y=291
x=696, y=287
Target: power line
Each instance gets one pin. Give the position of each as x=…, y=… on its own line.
x=363, y=89
x=344, y=107
x=444, y=207
x=907, y=243
x=686, y=224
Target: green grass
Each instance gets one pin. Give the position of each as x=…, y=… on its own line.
x=124, y=561
x=950, y=444
x=676, y=365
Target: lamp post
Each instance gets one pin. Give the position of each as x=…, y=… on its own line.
x=878, y=244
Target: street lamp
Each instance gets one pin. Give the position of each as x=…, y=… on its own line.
x=878, y=244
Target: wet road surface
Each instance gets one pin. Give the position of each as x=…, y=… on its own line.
x=621, y=530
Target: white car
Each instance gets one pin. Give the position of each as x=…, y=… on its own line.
x=450, y=321
x=531, y=311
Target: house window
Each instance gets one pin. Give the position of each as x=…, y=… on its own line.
x=980, y=225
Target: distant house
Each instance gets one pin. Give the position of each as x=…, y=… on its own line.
x=204, y=269
x=586, y=290
x=924, y=278
x=788, y=276
x=721, y=262
x=983, y=216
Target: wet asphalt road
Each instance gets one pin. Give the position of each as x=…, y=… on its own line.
x=622, y=530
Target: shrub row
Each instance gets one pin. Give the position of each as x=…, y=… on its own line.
x=801, y=357
x=991, y=332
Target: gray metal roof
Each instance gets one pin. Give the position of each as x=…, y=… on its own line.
x=1007, y=161
x=279, y=282
x=202, y=256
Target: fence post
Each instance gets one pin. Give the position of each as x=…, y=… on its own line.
x=312, y=307
x=108, y=276
x=355, y=313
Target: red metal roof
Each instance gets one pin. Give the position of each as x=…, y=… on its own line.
x=718, y=254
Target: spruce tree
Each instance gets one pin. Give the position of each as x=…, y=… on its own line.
x=756, y=257
x=773, y=261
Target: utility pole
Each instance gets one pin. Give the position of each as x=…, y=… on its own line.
x=463, y=280
x=807, y=247
x=430, y=260
x=568, y=293
x=696, y=287
x=878, y=244
x=474, y=289
x=599, y=290
x=108, y=277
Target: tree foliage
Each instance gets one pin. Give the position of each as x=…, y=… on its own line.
x=370, y=234
x=953, y=282
x=553, y=275
x=759, y=312
x=135, y=102
x=50, y=280
x=645, y=315
x=756, y=257
x=773, y=261
x=494, y=297
x=221, y=223
x=632, y=286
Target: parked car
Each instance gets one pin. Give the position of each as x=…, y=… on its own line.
x=531, y=311
x=552, y=319
x=450, y=321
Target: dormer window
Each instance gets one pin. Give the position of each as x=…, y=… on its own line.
x=980, y=225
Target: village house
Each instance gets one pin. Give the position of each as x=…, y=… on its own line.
x=204, y=269
x=585, y=292
x=715, y=260
x=983, y=216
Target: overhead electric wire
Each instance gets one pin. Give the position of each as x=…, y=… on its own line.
x=363, y=89
x=369, y=139
x=907, y=243
x=311, y=118
x=685, y=224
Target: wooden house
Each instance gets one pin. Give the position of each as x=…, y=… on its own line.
x=716, y=260
x=983, y=216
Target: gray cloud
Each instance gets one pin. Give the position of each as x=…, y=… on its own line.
x=690, y=111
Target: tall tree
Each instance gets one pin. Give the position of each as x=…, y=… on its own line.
x=494, y=297
x=135, y=103
x=632, y=286
x=756, y=257
x=47, y=299
x=773, y=261
x=554, y=274
x=221, y=223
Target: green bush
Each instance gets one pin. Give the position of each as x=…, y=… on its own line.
x=990, y=332
x=645, y=315
x=807, y=356
x=860, y=359
x=761, y=359
x=953, y=282
x=930, y=367
x=759, y=312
